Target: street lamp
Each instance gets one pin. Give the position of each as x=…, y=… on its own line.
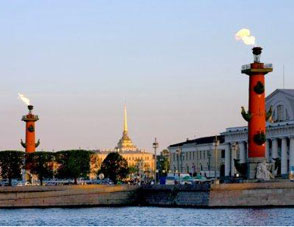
x=216, y=144
x=234, y=151
x=209, y=156
x=180, y=163
x=155, y=146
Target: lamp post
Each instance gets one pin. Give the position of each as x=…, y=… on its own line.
x=209, y=156
x=179, y=151
x=216, y=144
x=155, y=146
x=179, y=156
x=234, y=148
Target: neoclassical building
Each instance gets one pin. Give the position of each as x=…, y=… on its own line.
x=279, y=133
x=204, y=155
x=138, y=158
x=199, y=155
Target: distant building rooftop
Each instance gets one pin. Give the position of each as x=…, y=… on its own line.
x=202, y=140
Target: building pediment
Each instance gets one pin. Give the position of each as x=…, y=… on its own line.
x=282, y=103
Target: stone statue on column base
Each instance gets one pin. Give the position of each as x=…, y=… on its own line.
x=263, y=171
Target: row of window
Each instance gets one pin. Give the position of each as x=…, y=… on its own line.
x=192, y=155
x=136, y=158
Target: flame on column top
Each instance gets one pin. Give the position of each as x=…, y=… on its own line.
x=24, y=99
x=245, y=35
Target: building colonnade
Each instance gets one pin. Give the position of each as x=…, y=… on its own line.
x=276, y=148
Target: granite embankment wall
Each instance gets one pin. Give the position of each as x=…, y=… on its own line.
x=252, y=195
x=175, y=195
x=222, y=195
x=68, y=196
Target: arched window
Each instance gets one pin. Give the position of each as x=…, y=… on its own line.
x=287, y=115
x=280, y=113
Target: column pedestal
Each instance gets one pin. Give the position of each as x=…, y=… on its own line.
x=252, y=166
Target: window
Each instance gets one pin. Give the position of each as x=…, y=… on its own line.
x=280, y=113
x=287, y=115
x=223, y=153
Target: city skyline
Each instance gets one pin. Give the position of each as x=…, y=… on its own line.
x=176, y=64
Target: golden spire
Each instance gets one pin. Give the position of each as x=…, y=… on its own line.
x=125, y=119
x=125, y=143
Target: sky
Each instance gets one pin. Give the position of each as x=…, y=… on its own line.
x=175, y=63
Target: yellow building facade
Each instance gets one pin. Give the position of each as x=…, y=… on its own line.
x=137, y=158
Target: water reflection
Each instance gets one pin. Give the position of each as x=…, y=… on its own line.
x=153, y=216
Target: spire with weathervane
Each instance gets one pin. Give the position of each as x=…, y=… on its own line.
x=125, y=143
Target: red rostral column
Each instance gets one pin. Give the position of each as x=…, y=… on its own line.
x=30, y=119
x=256, y=116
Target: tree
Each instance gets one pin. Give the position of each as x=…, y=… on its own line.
x=133, y=170
x=40, y=164
x=11, y=163
x=162, y=164
x=73, y=164
x=114, y=167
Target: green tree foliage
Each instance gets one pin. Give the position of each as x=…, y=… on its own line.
x=114, y=167
x=11, y=163
x=73, y=164
x=133, y=170
x=162, y=165
x=40, y=164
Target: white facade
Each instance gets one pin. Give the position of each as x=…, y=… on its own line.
x=198, y=156
x=279, y=133
x=195, y=156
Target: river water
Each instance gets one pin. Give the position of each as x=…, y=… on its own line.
x=153, y=216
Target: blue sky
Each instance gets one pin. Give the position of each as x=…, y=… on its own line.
x=175, y=63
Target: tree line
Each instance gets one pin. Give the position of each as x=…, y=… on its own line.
x=69, y=164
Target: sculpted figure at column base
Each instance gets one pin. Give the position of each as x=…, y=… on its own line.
x=263, y=171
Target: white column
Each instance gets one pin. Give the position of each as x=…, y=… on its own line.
x=275, y=148
x=233, y=156
x=227, y=160
x=291, y=154
x=267, y=151
x=284, y=157
x=242, y=152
